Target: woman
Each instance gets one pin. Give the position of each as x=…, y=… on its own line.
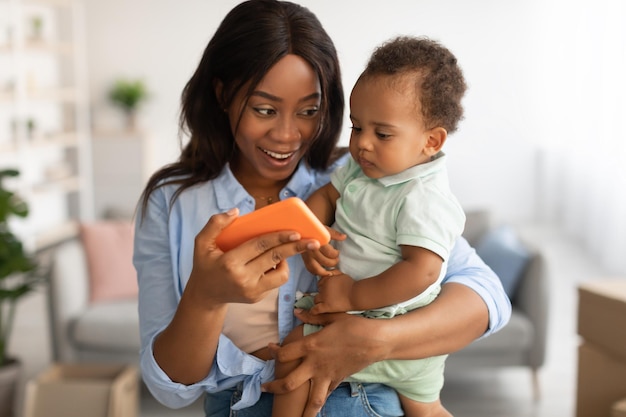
x=263, y=111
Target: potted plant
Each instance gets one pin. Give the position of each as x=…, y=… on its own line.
x=36, y=23
x=128, y=94
x=18, y=277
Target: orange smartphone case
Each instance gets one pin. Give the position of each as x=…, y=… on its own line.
x=289, y=214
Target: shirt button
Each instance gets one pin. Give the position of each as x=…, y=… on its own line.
x=352, y=188
x=287, y=298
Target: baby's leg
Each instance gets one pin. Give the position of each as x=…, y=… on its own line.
x=292, y=403
x=416, y=409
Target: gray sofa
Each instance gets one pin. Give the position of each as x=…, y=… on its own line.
x=522, y=342
x=83, y=331
x=108, y=331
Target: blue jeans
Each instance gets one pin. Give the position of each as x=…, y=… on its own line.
x=348, y=400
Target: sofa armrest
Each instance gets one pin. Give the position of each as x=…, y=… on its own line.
x=68, y=295
x=531, y=298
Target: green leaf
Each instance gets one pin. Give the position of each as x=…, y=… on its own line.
x=128, y=94
x=19, y=273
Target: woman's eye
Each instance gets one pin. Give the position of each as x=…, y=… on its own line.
x=310, y=112
x=264, y=111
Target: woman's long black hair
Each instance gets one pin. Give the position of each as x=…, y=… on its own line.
x=250, y=40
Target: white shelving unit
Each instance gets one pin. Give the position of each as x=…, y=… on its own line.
x=44, y=116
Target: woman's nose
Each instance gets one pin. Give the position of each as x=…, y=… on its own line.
x=286, y=129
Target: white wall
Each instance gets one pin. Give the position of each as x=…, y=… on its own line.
x=517, y=56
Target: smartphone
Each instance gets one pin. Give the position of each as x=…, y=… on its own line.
x=289, y=214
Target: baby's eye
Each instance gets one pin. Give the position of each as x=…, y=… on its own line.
x=382, y=135
x=355, y=129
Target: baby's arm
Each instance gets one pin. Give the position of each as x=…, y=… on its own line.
x=418, y=269
x=322, y=203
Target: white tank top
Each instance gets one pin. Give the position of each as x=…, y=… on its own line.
x=252, y=326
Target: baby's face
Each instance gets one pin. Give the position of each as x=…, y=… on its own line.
x=388, y=132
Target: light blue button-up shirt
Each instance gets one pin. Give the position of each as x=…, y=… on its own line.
x=163, y=257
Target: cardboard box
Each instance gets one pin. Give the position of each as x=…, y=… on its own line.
x=601, y=381
x=79, y=390
x=619, y=409
x=602, y=315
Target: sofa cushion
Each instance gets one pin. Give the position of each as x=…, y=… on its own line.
x=110, y=326
x=508, y=347
x=505, y=253
x=518, y=334
x=109, y=251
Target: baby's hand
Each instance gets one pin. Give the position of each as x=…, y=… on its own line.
x=320, y=260
x=336, y=234
x=323, y=260
x=334, y=294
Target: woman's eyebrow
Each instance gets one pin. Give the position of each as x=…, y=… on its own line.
x=272, y=97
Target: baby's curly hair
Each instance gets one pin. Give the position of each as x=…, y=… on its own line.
x=439, y=85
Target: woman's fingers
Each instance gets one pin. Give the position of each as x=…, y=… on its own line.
x=289, y=352
x=298, y=350
x=205, y=240
x=318, y=393
x=306, y=316
x=320, y=388
x=246, y=273
x=295, y=379
x=261, y=253
x=274, y=277
x=261, y=262
x=324, y=362
x=264, y=253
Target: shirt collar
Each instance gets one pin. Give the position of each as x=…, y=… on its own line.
x=418, y=171
x=230, y=193
x=301, y=181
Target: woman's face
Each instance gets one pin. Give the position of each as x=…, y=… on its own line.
x=277, y=122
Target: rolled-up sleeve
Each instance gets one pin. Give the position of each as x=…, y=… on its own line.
x=465, y=267
x=231, y=367
x=156, y=257
x=167, y=392
x=158, y=298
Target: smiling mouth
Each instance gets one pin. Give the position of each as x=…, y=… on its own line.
x=276, y=155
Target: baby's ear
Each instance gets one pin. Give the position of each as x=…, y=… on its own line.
x=436, y=138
